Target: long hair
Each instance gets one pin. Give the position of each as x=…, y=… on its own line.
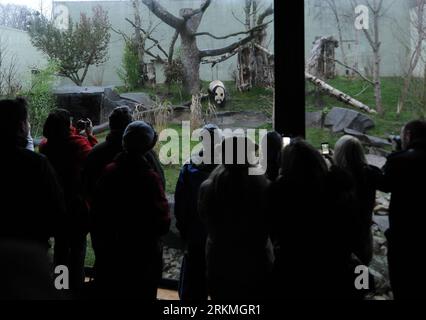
x=302, y=163
x=349, y=154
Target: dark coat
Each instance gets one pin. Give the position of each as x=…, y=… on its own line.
x=31, y=197
x=309, y=223
x=103, y=154
x=68, y=158
x=367, y=181
x=130, y=213
x=193, y=286
x=405, y=178
x=238, y=255
x=188, y=222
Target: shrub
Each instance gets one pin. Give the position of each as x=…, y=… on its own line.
x=40, y=97
x=130, y=72
x=174, y=72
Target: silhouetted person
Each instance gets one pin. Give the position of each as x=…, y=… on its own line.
x=105, y=152
x=130, y=214
x=349, y=155
x=405, y=177
x=232, y=205
x=31, y=197
x=274, y=143
x=309, y=219
x=193, y=283
x=25, y=273
x=67, y=152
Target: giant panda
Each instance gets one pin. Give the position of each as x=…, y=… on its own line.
x=217, y=93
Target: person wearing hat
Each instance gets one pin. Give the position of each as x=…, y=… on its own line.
x=130, y=213
x=192, y=284
x=104, y=153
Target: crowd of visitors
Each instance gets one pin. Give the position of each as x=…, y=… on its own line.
x=300, y=230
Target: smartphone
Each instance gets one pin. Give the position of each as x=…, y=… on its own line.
x=286, y=141
x=325, y=149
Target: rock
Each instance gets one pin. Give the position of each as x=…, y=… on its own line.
x=139, y=97
x=314, y=119
x=97, y=103
x=377, y=151
x=375, y=160
x=368, y=140
x=339, y=119
x=81, y=102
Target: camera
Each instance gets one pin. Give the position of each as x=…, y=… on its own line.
x=82, y=124
x=396, y=142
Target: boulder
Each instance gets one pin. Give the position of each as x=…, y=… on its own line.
x=139, y=97
x=375, y=160
x=368, y=140
x=314, y=119
x=339, y=119
x=97, y=103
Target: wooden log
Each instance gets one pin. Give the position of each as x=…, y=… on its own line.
x=339, y=95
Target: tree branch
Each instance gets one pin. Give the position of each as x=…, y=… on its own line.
x=220, y=59
x=266, y=13
x=172, y=46
x=202, y=9
x=125, y=37
x=156, y=42
x=163, y=14
x=218, y=52
x=354, y=70
x=257, y=28
x=268, y=53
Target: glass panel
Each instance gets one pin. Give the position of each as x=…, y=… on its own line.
x=138, y=59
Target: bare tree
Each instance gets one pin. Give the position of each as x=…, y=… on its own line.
x=337, y=16
x=139, y=37
x=255, y=62
x=417, y=20
x=187, y=26
x=9, y=84
x=16, y=16
x=372, y=34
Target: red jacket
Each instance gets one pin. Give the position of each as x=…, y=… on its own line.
x=68, y=158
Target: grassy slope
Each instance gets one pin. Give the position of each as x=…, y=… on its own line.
x=390, y=123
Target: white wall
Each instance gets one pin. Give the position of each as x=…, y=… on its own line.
x=218, y=20
x=394, y=27
x=23, y=53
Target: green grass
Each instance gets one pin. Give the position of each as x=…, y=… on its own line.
x=388, y=124
x=256, y=99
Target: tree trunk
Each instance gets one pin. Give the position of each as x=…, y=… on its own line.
x=415, y=57
x=339, y=95
x=377, y=83
x=377, y=58
x=140, y=41
x=191, y=62
x=255, y=67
